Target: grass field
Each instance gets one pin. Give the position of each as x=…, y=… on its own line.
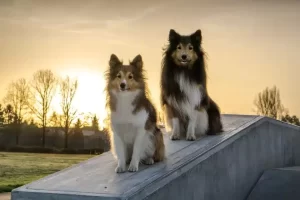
x=17, y=169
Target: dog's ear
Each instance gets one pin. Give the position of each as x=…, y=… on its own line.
x=137, y=62
x=197, y=36
x=114, y=61
x=173, y=36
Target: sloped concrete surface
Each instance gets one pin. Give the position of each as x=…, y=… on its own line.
x=278, y=184
x=213, y=167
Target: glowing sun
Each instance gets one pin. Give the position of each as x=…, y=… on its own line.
x=90, y=96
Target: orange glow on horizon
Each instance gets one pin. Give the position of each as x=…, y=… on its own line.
x=90, y=96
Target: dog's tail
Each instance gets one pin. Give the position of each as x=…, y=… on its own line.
x=214, y=118
x=159, y=153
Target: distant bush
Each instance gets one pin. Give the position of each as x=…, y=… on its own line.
x=81, y=151
x=37, y=149
x=32, y=149
x=2, y=147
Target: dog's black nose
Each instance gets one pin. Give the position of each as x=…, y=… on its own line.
x=122, y=85
x=183, y=57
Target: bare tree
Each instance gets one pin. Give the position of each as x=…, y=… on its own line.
x=17, y=95
x=1, y=115
x=55, y=120
x=268, y=103
x=43, y=89
x=8, y=114
x=68, y=90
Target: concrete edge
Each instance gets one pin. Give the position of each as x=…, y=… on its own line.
x=239, y=115
x=33, y=193
x=285, y=124
x=266, y=118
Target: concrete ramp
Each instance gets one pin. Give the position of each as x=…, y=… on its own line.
x=278, y=184
x=223, y=167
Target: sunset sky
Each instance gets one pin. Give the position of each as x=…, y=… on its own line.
x=250, y=44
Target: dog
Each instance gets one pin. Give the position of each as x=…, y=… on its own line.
x=185, y=101
x=134, y=134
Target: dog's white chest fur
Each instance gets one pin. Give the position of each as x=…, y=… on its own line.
x=192, y=93
x=123, y=113
x=191, y=89
x=124, y=122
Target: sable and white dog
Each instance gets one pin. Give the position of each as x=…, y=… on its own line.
x=134, y=134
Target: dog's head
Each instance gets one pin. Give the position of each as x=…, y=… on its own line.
x=126, y=77
x=185, y=49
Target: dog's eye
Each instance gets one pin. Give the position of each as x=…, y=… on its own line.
x=119, y=75
x=190, y=47
x=178, y=47
x=130, y=76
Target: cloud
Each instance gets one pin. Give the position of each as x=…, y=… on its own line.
x=85, y=20
x=92, y=25
x=98, y=20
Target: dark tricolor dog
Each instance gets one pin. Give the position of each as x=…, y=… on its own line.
x=184, y=97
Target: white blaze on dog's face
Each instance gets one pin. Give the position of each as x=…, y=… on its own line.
x=126, y=77
x=124, y=80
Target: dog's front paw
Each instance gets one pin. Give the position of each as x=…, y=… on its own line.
x=175, y=136
x=190, y=134
x=133, y=167
x=190, y=137
x=120, y=169
x=148, y=161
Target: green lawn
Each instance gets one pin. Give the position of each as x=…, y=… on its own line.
x=17, y=169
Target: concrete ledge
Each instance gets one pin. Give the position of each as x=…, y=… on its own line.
x=278, y=184
x=213, y=167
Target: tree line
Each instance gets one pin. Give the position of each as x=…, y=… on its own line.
x=29, y=102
